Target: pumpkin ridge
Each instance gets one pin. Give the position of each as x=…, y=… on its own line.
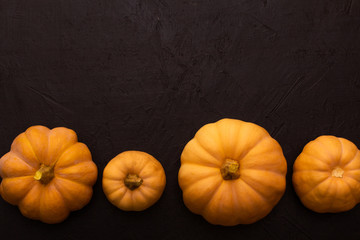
x=37, y=214
x=209, y=165
x=65, y=203
x=351, y=162
x=122, y=197
x=144, y=167
x=208, y=176
x=269, y=151
x=112, y=179
x=85, y=171
x=72, y=162
x=61, y=197
x=32, y=148
x=19, y=157
x=217, y=163
x=23, y=176
x=205, y=206
x=208, y=199
x=40, y=198
x=262, y=170
x=149, y=176
x=118, y=199
x=59, y=176
x=352, y=176
x=132, y=201
x=63, y=153
x=113, y=182
x=326, y=147
x=203, y=165
x=351, y=191
x=220, y=141
x=236, y=136
x=335, y=185
x=341, y=152
x=69, y=202
x=43, y=215
x=28, y=189
x=306, y=153
x=234, y=193
x=69, y=166
x=351, y=170
x=141, y=193
x=200, y=145
x=313, y=188
x=242, y=156
x=310, y=170
x=146, y=185
x=51, y=132
x=256, y=191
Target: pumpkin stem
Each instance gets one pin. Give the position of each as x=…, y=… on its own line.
x=337, y=172
x=132, y=181
x=230, y=169
x=45, y=174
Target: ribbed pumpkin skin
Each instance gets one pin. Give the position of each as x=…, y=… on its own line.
x=145, y=167
x=74, y=174
x=326, y=175
x=262, y=169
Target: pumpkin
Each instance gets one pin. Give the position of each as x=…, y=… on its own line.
x=47, y=174
x=133, y=181
x=326, y=175
x=232, y=172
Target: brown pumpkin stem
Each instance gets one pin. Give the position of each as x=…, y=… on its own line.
x=230, y=169
x=132, y=181
x=45, y=174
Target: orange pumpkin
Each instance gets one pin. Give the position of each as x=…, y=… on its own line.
x=326, y=175
x=133, y=181
x=47, y=173
x=232, y=172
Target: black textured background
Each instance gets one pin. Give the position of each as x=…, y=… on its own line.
x=147, y=74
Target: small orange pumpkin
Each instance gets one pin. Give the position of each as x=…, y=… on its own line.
x=133, y=181
x=47, y=173
x=326, y=175
x=232, y=172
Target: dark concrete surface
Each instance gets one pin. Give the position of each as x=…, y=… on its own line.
x=147, y=74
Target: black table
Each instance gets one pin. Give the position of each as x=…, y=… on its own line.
x=146, y=75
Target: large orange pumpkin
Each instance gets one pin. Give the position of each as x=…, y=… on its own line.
x=232, y=172
x=326, y=175
x=47, y=173
x=133, y=180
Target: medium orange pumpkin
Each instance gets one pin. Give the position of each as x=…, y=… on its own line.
x=326, y=175
x=232, y=172
x=47, y=173
x=133, y=181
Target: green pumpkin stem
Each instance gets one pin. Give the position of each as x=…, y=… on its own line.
x=45, y=174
